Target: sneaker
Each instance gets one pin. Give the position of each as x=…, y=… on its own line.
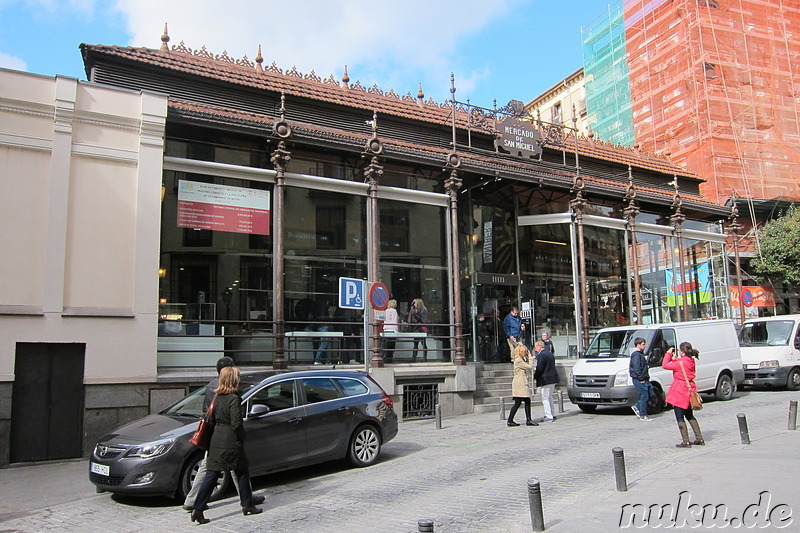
x=645, y=418
x=635, y=410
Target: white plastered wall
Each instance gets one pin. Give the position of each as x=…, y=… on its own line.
x=80, y=175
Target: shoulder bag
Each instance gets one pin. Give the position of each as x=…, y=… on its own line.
x=202, y=435
x=695, y=401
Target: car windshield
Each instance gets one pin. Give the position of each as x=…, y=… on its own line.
x=193, y=403
x=610, y=344
x=190, y=405
x=766, y=333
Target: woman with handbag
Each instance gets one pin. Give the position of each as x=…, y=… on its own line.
x=226, y=450
x=524, y=364
x=682, y=390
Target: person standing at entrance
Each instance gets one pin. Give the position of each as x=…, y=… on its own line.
x=390, y=322
x=513, y=328
x=417, y=316
x=640, y=375
x=520, y=389
x=546, y=377
x=548, y=344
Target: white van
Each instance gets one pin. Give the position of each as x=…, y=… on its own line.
x=771, y=351
x=600, y=376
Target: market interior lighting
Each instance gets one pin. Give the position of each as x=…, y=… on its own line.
x=551, y=242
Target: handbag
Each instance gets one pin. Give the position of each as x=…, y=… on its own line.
x=695, y=401
x=202, y=435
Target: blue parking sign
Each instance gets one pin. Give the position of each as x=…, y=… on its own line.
x=351, y=293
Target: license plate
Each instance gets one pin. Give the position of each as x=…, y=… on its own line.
x=747, y=382
x=590, y=395
x=103, y=470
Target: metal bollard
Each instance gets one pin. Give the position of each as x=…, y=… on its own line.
x=793, y=414
x=535, y=501
x=502, y=408
x=425, y=525
x=743, y=428
x=438, y=412
x=561, y=401
x=619, y=469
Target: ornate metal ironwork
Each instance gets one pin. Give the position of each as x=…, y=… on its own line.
x=419, y=401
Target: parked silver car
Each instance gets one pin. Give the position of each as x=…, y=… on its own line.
x=292, y=419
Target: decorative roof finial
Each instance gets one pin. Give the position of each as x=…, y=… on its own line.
x=165, y=40
x=259, y=60
x=345, y=78
x=420, y=95
x=452, y=87
x=591, y=133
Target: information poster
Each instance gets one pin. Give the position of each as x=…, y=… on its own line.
x=222, y=208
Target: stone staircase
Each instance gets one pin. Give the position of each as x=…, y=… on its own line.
x=493, y=382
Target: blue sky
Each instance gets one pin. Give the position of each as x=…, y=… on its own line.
x=497, y=49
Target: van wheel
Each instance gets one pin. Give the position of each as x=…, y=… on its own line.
x=190, y=473
x=587, y=407
x=724, y=390
x=793, y=382
x=656, y=404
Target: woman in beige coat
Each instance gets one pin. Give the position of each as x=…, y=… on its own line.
x=520, y=386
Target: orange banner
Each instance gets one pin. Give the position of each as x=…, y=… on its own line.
x=753, y=296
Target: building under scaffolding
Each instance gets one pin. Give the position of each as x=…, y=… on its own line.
x=713, y=83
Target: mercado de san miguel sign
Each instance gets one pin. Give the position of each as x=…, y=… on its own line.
x=519, y=138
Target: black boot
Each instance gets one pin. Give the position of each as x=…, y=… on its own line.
x=197, y=516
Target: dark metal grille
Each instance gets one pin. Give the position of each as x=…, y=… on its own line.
x=591, y=381
x=111, y=481
x=419, y=400
x=107, y=452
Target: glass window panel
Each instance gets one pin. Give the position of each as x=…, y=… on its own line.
x=277, y=396
x=319, y=390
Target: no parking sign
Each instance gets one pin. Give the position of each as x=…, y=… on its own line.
x=379, y=296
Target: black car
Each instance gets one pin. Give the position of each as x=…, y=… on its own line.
x=292, y=419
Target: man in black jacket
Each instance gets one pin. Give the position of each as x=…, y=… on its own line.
x=640, y=375
x=546, y=377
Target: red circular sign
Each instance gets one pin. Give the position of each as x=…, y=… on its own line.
x=379, y=296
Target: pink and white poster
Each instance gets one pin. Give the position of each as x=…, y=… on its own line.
x=222, y=208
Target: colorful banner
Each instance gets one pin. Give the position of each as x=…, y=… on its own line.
x=222, y=208
x=697, y=286
x=763, y=296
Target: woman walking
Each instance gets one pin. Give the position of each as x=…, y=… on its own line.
x=226, y=451
x=520, y=388
x=683, y=367
x=390, y=322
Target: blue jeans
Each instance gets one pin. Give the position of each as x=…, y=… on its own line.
x=645, y=391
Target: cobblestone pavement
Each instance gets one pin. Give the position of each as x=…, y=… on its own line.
x=472, y=476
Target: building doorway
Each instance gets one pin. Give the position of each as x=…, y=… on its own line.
x=47, y=402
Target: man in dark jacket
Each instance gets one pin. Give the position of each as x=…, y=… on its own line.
x=513, y=328
x=546, y=377
x=640, y=375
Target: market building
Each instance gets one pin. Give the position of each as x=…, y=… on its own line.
x=190, y=205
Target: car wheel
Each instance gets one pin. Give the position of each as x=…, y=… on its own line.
x=190, y=473
x=793, y=381
x=365, y=445
x=724, y=390
x=656, y=403
x=587, y=407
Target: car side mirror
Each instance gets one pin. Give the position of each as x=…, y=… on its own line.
x=258, y=410
x=797, y=343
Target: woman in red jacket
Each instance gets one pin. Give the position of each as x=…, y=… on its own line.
x=683, y=369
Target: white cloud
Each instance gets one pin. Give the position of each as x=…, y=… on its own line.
x=12, y=62
x=395, y=44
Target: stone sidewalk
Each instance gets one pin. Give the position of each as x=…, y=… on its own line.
x=471, y=476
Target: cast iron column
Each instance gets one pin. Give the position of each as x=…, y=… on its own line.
x=280, y=159
x=677, y=220
x=578, y=204
x=733, y=231
x=452, y=185
x=372, y=173
x=631, y=210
